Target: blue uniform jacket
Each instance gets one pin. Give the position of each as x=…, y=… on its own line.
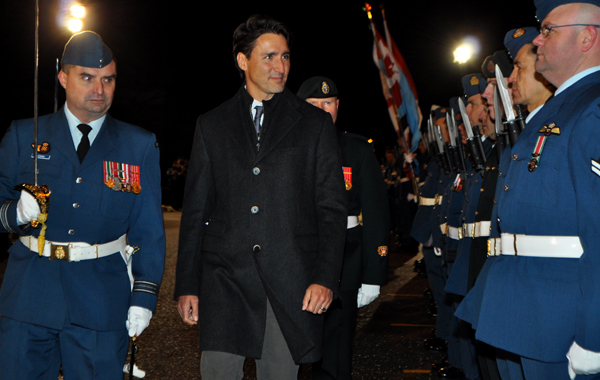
x=536, y=307
x=94, y=294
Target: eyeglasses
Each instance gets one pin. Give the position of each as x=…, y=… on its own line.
x=545, y=30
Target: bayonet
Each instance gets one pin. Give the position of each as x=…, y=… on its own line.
x=473, y=141
x=501, y=136
x=465, y=118
x=513, y=127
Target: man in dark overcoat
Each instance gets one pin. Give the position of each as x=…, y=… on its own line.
x=262, y=230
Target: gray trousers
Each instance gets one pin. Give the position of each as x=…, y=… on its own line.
x=276, y=362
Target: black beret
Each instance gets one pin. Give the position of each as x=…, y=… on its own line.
x=317, y=88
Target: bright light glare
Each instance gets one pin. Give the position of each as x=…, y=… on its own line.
x=463, y=53
x=75, y=25
x=78, y=11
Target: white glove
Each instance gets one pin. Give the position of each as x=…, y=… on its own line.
x=367, y=294
x=138, y=318
x=27, y=208
x=408, y=158
x=136, y=371
x=411, y=197
x=582, y=361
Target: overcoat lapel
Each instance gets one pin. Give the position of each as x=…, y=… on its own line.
x=286, y=112
x=233, y=122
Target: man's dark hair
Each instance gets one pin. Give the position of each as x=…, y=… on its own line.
x=245, y=36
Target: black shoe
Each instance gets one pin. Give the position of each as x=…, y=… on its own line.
x=435, y=367
x=436, y=344
x=451, y=372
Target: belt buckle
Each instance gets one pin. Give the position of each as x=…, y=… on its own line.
x=60, y=252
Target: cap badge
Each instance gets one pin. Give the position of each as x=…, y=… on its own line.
x=491, y=66
x=474, y=81
x=325, y=88
x=518, y=33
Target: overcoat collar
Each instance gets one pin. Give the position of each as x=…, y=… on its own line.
x=281, y=115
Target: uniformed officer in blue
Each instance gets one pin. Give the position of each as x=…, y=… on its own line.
x=365, y=263
x=541, y=298
x=74, y=303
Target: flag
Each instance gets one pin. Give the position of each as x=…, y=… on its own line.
x=397, y=89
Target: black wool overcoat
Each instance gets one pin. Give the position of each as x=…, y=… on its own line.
x=261, y=224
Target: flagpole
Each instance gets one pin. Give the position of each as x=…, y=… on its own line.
x=400, y=132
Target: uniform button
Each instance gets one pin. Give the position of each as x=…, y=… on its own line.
x=254, y=209
x=481, y=190
x=75, y=205
x=514, y=157
x=79, y=180
x=505, y=187
x=256, y=248
x=71, y=232
x=256, y=171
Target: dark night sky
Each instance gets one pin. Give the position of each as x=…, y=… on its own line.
x=175, y=61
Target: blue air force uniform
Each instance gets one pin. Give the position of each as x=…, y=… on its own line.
x=92, y=294
x=538, y=301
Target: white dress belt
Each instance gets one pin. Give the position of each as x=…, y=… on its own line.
x=431, y=201
x=541, y=246
x=477, y=229
x=77, y=251
x=453, y=233
x=352, y=221
x=494, y=246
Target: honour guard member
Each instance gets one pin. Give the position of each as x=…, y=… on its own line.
x=364, y=268
x=540, y=298
x=490, y=175
x=529, y=88
x=262, y=231
x=68, y=302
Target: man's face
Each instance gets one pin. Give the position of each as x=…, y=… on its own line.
x=330, y=105
x=527, y=84
x=267, y=68
x=558, y=54
x=488, y=127
x=474, y=107
x=90, y=91
x=488, y=95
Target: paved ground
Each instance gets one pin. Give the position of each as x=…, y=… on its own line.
x=388, y=344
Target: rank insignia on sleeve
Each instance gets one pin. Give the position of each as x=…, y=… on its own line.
x=383, y=250
x=122, y=177
x=596, y=167
x=347, y=176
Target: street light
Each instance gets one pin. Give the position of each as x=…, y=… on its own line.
x=75, y=25
x=468, y=48
x=462, y=53
x=71, y=15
